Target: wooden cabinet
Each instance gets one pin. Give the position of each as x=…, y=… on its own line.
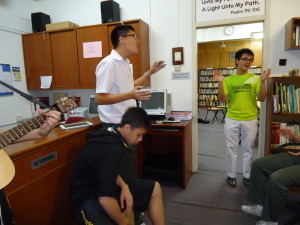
x=39, y=192
x=167, y=140
x=37, y=57
x=292, y=34
x=51, y=54
x=283, y=109
x=60, y=54
x=64, y=60
x=87, y=66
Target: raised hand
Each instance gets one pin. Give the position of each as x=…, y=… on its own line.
x=264, y=75
x=157, y=66
x=286, y=133
x=218, y=75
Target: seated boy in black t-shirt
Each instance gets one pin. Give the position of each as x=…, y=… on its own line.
x=98, y=192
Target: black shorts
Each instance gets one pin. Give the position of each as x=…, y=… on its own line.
x=91, y=211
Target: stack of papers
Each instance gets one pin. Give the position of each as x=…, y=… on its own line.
x=180, y=115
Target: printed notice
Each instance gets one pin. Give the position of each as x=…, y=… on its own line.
x=209, y=10
x=181, y=76
x=92, y=49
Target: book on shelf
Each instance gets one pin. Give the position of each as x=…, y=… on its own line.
x=180, y=115
x=297, y=35
x=286, y=97
x=275, y=104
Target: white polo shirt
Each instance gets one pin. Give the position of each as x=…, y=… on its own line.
x=114, y=76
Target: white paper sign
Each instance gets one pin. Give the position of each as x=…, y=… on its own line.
x=181, y=76
x=209, y=10
x=92, y=49
x=46, y=81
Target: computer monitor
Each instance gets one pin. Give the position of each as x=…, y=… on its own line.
x=157, y=105
x=93, y=107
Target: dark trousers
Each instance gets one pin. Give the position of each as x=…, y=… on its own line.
x=91, y=212
x=271, y=176
x=6, y=212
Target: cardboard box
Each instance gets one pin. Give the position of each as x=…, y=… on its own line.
x=60, y=25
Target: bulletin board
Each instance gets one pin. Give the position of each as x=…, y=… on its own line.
x=5, y=76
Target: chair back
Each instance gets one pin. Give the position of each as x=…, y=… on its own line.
x=211, y=102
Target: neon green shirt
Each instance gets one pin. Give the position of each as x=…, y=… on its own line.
x=242, y=90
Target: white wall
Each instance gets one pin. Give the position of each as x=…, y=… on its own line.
x=276, y=24
x=241, y=31
x=14, y=21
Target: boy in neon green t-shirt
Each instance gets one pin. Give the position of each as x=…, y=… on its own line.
x=240, y=90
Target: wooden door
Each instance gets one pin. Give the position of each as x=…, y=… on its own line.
x=37, y=57
x=64, y=59
x=140, y=62
x=87, y=66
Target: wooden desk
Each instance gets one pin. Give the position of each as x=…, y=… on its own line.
x=168, y=138
x=39, y=192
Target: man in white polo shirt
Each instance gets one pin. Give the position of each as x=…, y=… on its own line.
x=116, y=90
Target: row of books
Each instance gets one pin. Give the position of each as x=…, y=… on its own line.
x=180, y=115
x=208, y=85
x=279, y=139
x=286, y=99
x=229, y=70
x=208, y=91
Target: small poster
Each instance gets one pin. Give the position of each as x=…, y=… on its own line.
x=16, y=73
x=92, y=49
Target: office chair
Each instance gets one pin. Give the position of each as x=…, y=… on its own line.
x=211, y=107
x=296, y=208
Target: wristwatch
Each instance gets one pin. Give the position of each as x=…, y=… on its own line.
x=146, y=75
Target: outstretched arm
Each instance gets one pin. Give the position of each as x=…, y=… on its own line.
x=290, y=135
x=52, y=120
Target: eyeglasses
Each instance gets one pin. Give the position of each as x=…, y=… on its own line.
x=127, y=35
x=247, y=60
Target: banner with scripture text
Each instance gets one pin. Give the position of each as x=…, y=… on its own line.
x=209, y=10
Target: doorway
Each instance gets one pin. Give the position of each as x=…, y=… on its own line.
x=216, y=50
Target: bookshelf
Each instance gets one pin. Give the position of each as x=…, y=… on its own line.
x=283, y=110
x=208, y=85
x=292, y=34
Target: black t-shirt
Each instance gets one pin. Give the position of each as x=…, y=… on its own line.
x=97, y=167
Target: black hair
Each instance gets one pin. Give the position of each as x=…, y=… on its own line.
x=242, y=51
x=118, y=32
x=136, y=118
x=239, y=53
